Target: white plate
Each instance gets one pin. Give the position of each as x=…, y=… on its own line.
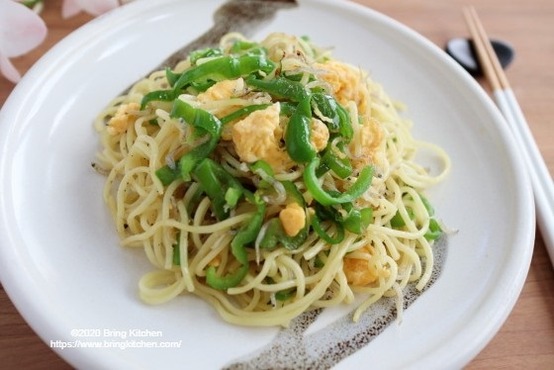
x=60, y=260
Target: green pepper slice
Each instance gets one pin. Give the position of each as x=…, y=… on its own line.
x=204, y=121
x=338, y=116
x=275, y=234
x=280, y=87
x=298, y=134
x=221, y=187
x=225, y=68
x=243, y=112
x=329, y=161
x=358, y=220
x=168, y=174
x=360, y=186
x=315, y=222
x=245, y=236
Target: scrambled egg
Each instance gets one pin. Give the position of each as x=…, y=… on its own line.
x=225, y=89
x=125, y=115
x=258, y=136
x=225, y=97
x=293, y=218
x=319, y=134
x=359, y=269
x=346, y=82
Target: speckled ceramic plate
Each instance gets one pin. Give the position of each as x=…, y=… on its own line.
x=60, y=260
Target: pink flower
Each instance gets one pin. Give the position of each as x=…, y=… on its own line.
x=21, y=30
x=94, y=7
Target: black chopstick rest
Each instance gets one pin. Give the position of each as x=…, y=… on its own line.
x=463, y=52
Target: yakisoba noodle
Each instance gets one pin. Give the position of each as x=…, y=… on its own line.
x=269, y=179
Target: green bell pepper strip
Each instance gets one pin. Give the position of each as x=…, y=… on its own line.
x=245, y=236
x=204, y=121
x=329, y=161
x=243, y=112
x=158, y=95
x=176, y=255
x=204, y=53
x=220, y=68
x=167, y=174
x=358, y=220
x=298, y=134
x=232, y=196
x=275, y=234
x=287, y=108
x=315, y=222
x=261, y=165
x=264, y=170
x=176, y=251
x=332, y=214
x=171, y=76
x=225, y=68
x=355, y=221
x=360, y=186
x=427, y=205
x=398, y=222
x=280, y=87
x=281, y=295
x=242, y=46
x=284, y=295
x=228, y=281
x=293, y=194
x=434, y=231
x=196, y=88
x=221, y=187
x=340, y=119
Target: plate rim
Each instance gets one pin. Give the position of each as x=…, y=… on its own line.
x=25, y=306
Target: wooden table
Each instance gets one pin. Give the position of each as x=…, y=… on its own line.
x=526, y=340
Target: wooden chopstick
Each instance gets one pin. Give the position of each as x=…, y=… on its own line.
x=487, y=57
x=541, y=180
